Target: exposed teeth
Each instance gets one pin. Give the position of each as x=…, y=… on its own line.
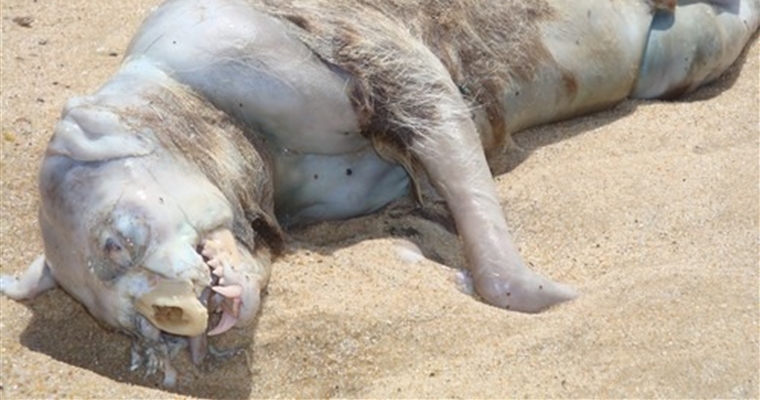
x=206, y=252
x=232, y=291
x=227, y=298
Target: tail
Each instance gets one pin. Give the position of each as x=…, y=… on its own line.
x=694, y=44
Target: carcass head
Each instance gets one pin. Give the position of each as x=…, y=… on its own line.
x=138, y=234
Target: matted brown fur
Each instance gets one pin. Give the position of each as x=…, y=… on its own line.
x=409, y=59
x=190, y=128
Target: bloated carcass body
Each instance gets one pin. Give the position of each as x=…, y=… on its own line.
x=163, y=193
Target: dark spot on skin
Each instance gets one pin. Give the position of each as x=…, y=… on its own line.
x=346, y=133
x=509, y=294
x=507, y=307
x=299, y=21
x=316, y=176
x=517, y=93
x=240, y=105
x=570, y=83
x=174, y=42
x=540, y=287
x=349, y=172
x=161, y=200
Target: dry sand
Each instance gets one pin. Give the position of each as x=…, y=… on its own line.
x=650, y=209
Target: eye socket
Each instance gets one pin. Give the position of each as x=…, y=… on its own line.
x=114, y=258
x=117, y=253
x=111, y=246
x=125, y=242
x=121, y=243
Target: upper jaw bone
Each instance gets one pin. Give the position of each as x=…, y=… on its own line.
x=172, y=307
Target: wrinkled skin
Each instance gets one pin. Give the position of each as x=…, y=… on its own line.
x=356, y=109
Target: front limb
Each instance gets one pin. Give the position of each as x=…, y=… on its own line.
x=456, y=165
x=239, y=279
x=415, y=103
x=458, y=169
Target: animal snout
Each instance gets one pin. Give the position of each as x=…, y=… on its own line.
x=172, y=307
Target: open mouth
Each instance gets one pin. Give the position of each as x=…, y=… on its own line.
x=222, y=299
x=174, y=307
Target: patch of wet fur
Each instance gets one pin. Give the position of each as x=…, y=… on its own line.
x=418, y=64
x=190, y=127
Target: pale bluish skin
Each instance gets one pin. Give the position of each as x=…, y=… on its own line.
x=247, y=65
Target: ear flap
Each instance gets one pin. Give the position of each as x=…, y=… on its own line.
x=90, y=133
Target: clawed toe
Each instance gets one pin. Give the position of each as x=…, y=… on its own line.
x=154, y=357
x=220, y=249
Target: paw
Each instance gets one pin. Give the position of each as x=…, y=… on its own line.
x=154, y=352
x=525, y=291
x=237, y=278
x=223, y=258
x=221, y=251
x=153, y=357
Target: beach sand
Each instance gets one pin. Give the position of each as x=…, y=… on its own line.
x=649, y=209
